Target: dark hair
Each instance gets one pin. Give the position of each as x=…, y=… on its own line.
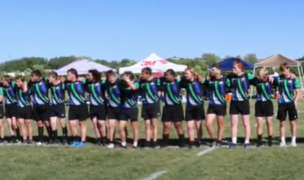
x=284, y=66
x=239, y=63
x=96, y=75
x=147, y=70
x=110, y=73
x=73, y=71
x=36, y=73
x=171, y=72
x=7, y=78
x=20, y=77
x=53, y=74
x=217, y=66
x=130, y=74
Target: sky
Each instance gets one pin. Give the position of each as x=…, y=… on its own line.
x=133, y=29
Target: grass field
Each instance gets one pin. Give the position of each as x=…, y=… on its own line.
x=95, y=162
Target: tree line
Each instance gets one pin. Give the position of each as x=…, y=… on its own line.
x=27, y=64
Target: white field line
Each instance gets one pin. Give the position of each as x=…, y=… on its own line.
x=205, y=151
x=154, y=175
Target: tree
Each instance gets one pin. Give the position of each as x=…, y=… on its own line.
x=251, y=58
x=58, y=62
x=210, y=58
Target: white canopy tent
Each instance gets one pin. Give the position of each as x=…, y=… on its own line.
x=82, y=66
x=276, y=61
x=155, y=63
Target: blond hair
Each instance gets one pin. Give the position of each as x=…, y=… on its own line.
x=263, y=72
x=196, y=75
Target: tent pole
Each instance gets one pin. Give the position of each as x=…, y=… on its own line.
x=301, y=73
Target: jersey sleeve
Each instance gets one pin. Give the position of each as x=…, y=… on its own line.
x=276, y=80
x=136, y=84
x=62, y=86
x=1, y=91
x=228, y=81
x=84, y=81
x=297, y=84
x=13, y=84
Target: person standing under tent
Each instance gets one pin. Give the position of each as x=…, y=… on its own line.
x=217, y=85
x=195, y=111
x=172, y=110
x=263, y=106
x=98, y=111
x=78, y=108
x=150, y=91
x=289, y=94
x=129, y=110
x=9, y=92
x=24, y=109
x=240, y=84
x=57, y=108
x=39, y=88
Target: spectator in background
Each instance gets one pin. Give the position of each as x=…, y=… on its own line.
x=274, y=74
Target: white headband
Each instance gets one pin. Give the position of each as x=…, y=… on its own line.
x=216, y=69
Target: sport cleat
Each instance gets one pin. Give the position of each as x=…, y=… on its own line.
x=247, y=145
x=111, y=146
x=39, y=143
x=282, y=144
x=294, y=144
x=1, y=142
x=232, y=145
x=259, y=144
x=80, y=144
x=74, y=144
x=269, y=143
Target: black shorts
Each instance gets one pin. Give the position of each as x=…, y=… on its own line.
x=57, y=110
x=79, y=113
x=24, y=112
x=196, y=113
x=129, y=114
x=41, y=112
x=10, y=110
x=263, y=109
x=218, y=110
x=173, y=113
x=114, y=113
x=1, y=111
x=98, y=112
x=239, y=107
x=150, y=111
x=289, y=108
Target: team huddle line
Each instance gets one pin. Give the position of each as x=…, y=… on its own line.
x=114, y=99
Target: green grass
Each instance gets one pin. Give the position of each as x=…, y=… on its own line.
x=93, y=162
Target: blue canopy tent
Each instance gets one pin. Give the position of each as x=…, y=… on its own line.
x=227, y=64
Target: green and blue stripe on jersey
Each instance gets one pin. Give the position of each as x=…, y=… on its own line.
x=23, y=98
x=264, y=89
x=113, y=91
x=57, y=93
x=149, y=90
x=96, y=92
x=240, y=85
x=171, y=92
x=217, y=89
x=9, y=93
x=286, y=88
x=40, y=91
x=129, y=97
x=195, y=91
x=76, y=91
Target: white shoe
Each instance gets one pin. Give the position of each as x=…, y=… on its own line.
x=39, y=143
x=111, y=146
x=282, y=144
x=294, y=144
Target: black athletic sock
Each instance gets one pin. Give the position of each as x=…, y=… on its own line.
x=259, y=138
x=17, y=133
x=165, y=139
x=55, y=135
x=104, y=140
x=181, y=138
x=64, y=132
x=40, y=134
x=49, y=131
x=13, y=138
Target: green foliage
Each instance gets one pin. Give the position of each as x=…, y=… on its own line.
x=27, y=64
